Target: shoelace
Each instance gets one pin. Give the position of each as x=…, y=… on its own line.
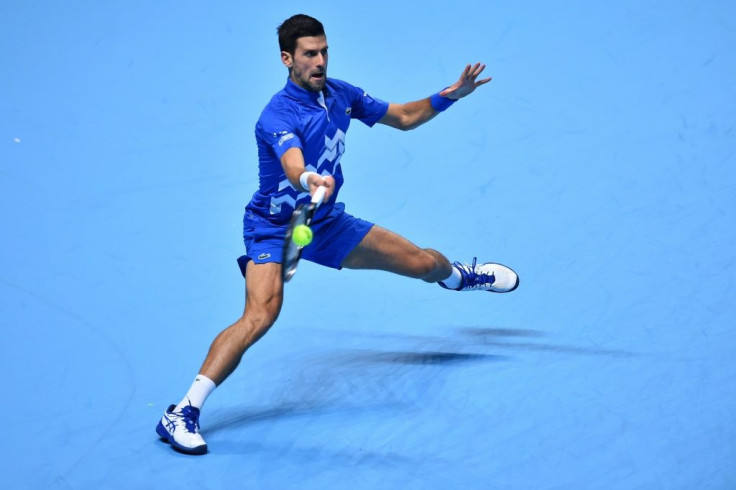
x=190, y=416
x=472, y=278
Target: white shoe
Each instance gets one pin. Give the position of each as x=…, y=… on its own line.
x=180, y=428
x=494, y=278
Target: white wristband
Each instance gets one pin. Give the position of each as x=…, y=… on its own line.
x=304, y=177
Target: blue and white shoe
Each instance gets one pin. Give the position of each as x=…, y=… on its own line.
x=494, y=278
x=180, y=428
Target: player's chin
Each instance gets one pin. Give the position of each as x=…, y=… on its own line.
x=317, y=83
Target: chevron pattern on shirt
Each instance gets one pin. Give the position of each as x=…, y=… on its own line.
x=334, y=148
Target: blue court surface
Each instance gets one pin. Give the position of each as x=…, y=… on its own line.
x=600, y=163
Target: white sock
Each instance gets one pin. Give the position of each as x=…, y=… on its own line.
x=455, y=280
x=198, y=393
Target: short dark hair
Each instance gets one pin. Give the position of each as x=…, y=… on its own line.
x=297, y=26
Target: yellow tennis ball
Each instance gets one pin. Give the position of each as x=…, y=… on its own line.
x=302, y=235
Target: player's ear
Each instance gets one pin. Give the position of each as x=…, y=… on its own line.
x=287, y=59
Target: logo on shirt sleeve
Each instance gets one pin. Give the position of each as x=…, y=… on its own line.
x=285, y=137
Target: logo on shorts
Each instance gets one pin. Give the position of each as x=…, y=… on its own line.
x=264, y=256
x=348, y=111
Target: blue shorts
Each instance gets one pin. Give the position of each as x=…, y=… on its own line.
x=335, y=236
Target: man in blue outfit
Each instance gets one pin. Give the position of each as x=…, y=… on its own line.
x=301, y=138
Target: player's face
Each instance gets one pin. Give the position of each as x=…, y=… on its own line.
x=308, y=65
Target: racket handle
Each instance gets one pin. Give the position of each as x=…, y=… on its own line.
x=319, y=195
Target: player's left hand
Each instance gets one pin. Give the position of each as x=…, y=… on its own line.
x=467, y=83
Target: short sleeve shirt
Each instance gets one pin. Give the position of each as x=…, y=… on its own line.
x=315, y=122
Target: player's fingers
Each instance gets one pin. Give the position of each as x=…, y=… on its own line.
x=464, y=75
x=482, y=82
x=472, y=72
x=476, y=71
x=330, y=184
x=313, y=181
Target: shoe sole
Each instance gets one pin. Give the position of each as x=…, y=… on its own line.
x=166, y=437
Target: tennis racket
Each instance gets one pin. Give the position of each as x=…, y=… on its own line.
x=301, y=216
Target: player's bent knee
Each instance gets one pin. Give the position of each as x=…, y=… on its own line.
x=261, y=317
x=424, y=265
x=253, y=325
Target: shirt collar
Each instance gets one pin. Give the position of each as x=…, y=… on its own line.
x=303, y=94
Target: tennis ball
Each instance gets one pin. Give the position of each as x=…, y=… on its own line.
x=302, y=235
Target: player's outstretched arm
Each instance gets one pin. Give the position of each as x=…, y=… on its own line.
x=413, y=114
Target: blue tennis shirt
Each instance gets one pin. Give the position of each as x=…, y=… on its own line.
x=316, y=122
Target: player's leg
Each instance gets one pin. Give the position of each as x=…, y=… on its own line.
x=264, y=297
x=263, y=300
x=385, y=250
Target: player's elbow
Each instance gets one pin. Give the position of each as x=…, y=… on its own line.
x=401, y=116
x=408, y=123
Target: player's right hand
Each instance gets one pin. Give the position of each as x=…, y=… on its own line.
x=327, y=181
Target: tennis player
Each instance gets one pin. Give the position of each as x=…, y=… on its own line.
x=301, y=140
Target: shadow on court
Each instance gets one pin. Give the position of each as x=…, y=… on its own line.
x=352, y=382
x=494, y=337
